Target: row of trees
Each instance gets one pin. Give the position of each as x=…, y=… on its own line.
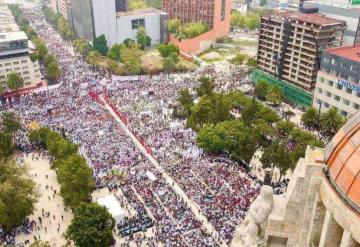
x=328, y=122
x=59, y=22
x=220, y=130
x=272, y=94
x=241, y=58
x=251, y=20
x=186, y=30
x=75, y=177
x=92, y=224
x=52, y=69
x=18, y=193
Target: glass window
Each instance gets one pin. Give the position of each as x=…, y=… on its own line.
x=223, y=10
x=356, y=106
x=135, y=24
x=337, y=98
x=338, y=86
x=331, y=83
x=328, y=94
x=349, y=90
x=344, y=113
x=346, y=102
x=326, y=105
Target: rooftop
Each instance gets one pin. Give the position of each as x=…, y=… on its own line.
x=12, y=36
x=348, y=52
x=314, y=18
x=139, y=12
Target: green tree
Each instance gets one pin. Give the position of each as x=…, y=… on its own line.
x=284, y=128
x=100, y=45
x=91, y=226
x=237, y=20
x=59, y=147
x=53, y=71
x=40, y=47
x=174, y=26
x=131, y=58
x=114, y=52
x=82, y=46
x=169, y=64
x=252, y=63
x=14, y=81
x=262, y=89
x=10, y=122
x=142, y=38
x=39, y=137
x=311, y=118
x=6, y=145
x=76, y=180
x=253, y=21
x=331, y=121
x=186, y=101
x=167, y=50
x=18, y=194
x=238, y=59
x=94, y=58
x=275, y=95
x=206, y=86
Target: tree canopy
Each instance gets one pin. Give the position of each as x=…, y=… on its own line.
x=143, y=39
x=14, y=81
x=91, y=226
x=100, y=45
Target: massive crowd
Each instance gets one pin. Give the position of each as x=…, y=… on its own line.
x=222, y=190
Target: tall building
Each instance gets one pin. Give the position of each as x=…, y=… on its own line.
x=60, y=6
x=341, y=12
x=290, y=48
x=92, y=18
x=338, y=81
x=321, y=206
x=15, y=57
x=214, y=13
x=192, y=11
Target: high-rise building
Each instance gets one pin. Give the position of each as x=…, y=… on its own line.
x=338, y=81
x=15, y=57
x=192, y=11
x=60, y=6
x=92, y=18
x=214, y=13
x=321, y=206
x=290, y=49
x=340, y=12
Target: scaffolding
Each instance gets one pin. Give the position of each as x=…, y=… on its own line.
x=292, y=93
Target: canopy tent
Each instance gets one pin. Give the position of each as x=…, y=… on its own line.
x=113, y=206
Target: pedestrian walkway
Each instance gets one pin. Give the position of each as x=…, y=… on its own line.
x=50, y=215
x=195, y=208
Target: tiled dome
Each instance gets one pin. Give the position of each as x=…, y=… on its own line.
x=342, y=156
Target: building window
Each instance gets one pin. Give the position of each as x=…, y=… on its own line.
x=318, y=101
x=346, y=102
x=356, y=106
x=319, y=90
x=344, y=113
x=137, y=23
x=322, y=79
x=338, y=86
x=23, y=61
x=326, y=105
x=337, y=98
x=328, y=94
x=349, y=90
x=331, y=83
x=223, y=10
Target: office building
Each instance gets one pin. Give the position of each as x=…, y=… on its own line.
x=290, y=48
x=60, y=6
x=14, y=57
x=7, y=20
x=321, y=206
x=92, y=18
x=341, y=12
x=214, y=13
x=338, y=81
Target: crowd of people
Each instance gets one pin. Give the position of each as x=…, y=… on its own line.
x=73, y=108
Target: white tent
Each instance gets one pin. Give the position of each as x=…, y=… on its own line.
x=113, y=206
x=150, y=175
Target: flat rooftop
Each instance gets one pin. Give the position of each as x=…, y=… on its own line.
x=143, y=11
x=12, y=36
x=348, y=52
x=314, y=18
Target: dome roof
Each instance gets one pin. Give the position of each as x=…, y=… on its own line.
x=342, y=155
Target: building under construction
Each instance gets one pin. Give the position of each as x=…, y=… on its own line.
x=290, y=49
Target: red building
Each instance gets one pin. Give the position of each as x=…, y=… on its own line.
x=214, y=13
